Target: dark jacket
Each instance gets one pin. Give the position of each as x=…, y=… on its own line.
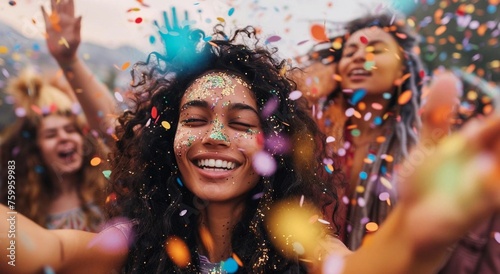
x=478, y=252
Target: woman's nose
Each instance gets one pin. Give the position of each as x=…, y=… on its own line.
x=217, y=134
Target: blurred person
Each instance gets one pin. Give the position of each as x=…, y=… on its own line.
x=55, y=184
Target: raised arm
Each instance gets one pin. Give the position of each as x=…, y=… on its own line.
x=29, y=248
x=442, y=197
x=63, y=39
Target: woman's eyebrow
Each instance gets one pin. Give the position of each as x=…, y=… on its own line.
x=195, y=103
x=242, y=106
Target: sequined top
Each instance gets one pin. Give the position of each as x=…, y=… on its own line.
x=207, y=267
x=76, y=219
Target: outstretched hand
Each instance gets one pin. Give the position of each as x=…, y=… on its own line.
x=453, y=185
x=63, y=31
x=178, y=40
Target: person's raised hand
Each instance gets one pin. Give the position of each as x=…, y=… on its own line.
x=178, y=38
x=63, y=31
x=454, y=185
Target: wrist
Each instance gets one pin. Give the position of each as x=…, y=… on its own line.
x=67, y=64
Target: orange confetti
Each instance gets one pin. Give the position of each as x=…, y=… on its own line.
x=237, y=259
x=95, y=161
x=337, y=78
x=371, y=226
x=440, y=30
x=481, y=30
x=380, y=139
x=178, y=251
x=318, y=33
x=207, y=239
x=405, y=97
x=54, y=21
x=125, y=65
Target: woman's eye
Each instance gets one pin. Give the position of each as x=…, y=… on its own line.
x=193, y=122
x=240, y=125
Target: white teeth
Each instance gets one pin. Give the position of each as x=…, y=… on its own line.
x=359, y=72
x=213, y=163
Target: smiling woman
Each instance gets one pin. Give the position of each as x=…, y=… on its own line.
x=56, y=185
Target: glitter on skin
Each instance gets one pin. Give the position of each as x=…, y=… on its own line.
x=216, y=133
x=213, y=80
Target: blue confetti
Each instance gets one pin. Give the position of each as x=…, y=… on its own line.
x=230, y=12
x=230, y=265
x=357, y=96
x=363, y=175
x=377, y=121
x=180, y=182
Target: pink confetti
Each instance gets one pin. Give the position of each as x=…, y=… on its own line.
x=334, y=264
x=271, y=39
x=294, y=95
x=264, y=163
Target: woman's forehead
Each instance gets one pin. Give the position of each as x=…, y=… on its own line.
x=368, y=34
x=216, y=85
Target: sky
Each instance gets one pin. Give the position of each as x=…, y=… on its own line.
x=111, y=23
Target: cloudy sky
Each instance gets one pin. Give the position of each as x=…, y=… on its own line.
x=111, y=23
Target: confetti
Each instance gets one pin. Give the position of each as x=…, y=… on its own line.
x=4, y=50
x=230, y=12
x=118, y=97
x=95, y=161
x=165, y=124
x=371, y=226
x=271, y=39
x=230, y=265
x=405, y=97
x=264, y=164
x=318, y=33
x=294, y=95
x=106, y=173
x=178, y=251
x=154, y=112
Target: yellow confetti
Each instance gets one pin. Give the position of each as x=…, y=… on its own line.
x=386, y=182
x=165, y=124
x=220, y=19
x=4, y=50
x=63, y=41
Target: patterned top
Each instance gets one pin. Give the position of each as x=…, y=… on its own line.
x=76, y=219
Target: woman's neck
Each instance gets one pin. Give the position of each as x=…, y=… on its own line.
x=368, y=123
x=216, y=228
x=65, y=193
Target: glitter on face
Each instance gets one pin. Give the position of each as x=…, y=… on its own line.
x=215, y=80
x=216, y=133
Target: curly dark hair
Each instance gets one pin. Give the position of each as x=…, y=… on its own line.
x=145, y=174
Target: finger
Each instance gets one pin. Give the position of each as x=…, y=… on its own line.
x=53, y=5
x=78, y=25
x=165, y=20
x=45, y=17
x=175, y=23
x=68, y=7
